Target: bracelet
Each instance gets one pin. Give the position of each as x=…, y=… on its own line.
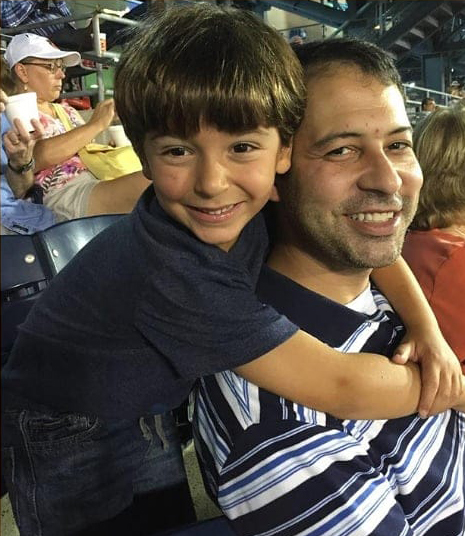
x=23, y=169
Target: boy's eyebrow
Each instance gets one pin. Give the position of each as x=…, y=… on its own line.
x=347, y=134
x=264, y=131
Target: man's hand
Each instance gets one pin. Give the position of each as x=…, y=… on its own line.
x=442, y=380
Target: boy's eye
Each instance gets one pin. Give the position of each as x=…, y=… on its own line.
x=242, y=148
x=177, y=151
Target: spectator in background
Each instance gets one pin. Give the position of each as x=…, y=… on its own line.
x=65, y=35
x=19, y=215
x=70, y=189
x=454, y=89
x=435, y=245
x=428, y=104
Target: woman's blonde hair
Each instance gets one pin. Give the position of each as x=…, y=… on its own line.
x=439, y=143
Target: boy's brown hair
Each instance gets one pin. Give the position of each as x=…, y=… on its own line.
x=201, y=64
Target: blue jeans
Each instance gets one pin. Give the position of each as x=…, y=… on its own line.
x=65, y=472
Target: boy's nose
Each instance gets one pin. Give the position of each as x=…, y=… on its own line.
x=212, y=179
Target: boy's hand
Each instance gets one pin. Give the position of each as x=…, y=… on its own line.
x=442, y=381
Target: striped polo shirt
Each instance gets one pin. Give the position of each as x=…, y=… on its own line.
x=278, y=468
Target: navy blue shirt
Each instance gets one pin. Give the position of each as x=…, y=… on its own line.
x=138, y=315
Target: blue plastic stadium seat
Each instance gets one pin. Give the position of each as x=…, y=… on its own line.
x=29, y=262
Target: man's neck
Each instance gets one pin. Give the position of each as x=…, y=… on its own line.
x=341, y=286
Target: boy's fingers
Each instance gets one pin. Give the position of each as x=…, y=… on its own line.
x=430, y=377
x=403, y=353
x=457, y=384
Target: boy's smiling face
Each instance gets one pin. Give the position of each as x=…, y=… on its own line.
x=214, y=182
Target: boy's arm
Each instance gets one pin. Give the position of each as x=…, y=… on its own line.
x=423, y=343
x=349, y=386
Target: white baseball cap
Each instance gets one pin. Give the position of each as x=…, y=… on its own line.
x=455, y=83
x=28, y=44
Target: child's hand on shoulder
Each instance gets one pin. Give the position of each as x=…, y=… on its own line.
x=442, y=381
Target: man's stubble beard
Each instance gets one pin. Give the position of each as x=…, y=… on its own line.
x=341, y=249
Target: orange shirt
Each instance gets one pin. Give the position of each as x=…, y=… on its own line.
x=438, y=261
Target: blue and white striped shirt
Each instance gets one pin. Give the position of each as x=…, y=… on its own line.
x=279, y=468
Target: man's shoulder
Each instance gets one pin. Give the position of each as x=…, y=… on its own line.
x=346, y=327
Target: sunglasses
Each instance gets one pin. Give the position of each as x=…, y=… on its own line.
x=51, y=67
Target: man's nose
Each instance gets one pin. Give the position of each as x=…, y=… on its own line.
x=381, y=174
x=212, y=178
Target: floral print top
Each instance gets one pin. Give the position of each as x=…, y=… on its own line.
x=58, y=175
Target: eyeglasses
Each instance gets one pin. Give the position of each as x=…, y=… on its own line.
x=52, y=66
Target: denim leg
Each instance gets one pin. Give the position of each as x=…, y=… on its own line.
x=66, y=472
x=162, y=465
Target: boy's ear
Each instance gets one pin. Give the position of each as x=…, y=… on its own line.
x=283, y=162
x=146, y=169
x=274, y=195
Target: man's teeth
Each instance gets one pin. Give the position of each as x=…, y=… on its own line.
x=218, y=211
x=372, y=216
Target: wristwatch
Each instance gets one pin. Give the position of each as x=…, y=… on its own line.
x=23, y=169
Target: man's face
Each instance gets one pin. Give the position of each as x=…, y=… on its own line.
x=355, y=180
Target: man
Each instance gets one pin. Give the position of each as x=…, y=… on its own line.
x=18, y=215
x=277, y=467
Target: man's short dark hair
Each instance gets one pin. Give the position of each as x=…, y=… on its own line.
x=319, y=57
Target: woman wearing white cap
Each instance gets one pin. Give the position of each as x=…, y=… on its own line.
x=70, y=190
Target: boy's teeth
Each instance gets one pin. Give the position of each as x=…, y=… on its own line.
x=372, y=216
x=217, y=211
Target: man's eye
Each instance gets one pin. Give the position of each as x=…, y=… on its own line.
x=399, y=145
x=242, y=148
x=340, y=151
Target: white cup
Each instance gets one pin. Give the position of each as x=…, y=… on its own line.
x=24, y=107
x=118, y=136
